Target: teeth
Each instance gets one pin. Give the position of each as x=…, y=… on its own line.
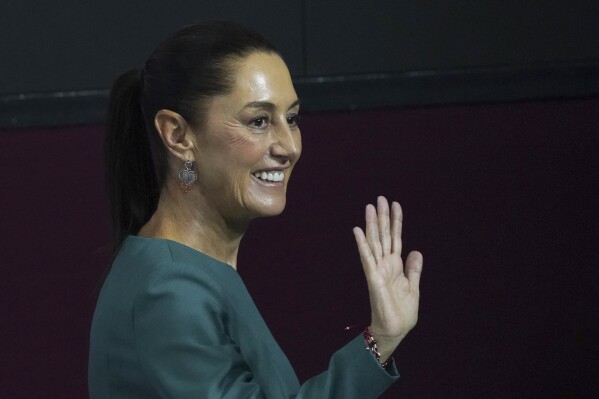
x=270, y=176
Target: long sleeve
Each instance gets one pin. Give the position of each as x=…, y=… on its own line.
x=188, y=339
x=174, y=323
x=353, y=373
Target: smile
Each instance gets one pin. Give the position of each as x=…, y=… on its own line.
x=274, y=176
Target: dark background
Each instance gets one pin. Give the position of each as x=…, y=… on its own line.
x=59, y=58
x=481, y=118
x=75, y=45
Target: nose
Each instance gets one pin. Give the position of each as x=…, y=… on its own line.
x=287, y=142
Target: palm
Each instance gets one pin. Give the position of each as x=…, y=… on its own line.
x=393, y=289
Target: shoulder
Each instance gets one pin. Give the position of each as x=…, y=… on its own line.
x=177, y=289
x=155, y=263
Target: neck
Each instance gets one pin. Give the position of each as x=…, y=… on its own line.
x=188, y=219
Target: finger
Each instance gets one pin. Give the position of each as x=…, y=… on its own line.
x=413, y=269
x=396, y=227
x=372, y=232
x=383, y=216
x=368, y=262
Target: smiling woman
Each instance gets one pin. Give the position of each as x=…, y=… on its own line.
x=249, y=132
x=243, y=150
x=200, y=141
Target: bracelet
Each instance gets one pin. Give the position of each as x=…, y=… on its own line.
x=371, y=346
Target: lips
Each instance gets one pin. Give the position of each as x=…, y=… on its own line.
x=270, y=175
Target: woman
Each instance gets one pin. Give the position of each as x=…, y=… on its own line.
x=200, y=142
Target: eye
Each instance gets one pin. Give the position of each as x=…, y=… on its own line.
x=260, y=122
x=293, y=120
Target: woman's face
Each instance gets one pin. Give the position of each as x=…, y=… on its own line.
x=251, y=141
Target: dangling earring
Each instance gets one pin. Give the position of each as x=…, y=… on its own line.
x=187, y=177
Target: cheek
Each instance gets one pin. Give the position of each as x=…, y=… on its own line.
x=241, y=159
x=244, y=148
x=251, y=155
x=248, y=154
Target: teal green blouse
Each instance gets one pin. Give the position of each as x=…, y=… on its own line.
x=172, y=322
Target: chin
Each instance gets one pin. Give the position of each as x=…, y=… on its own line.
x=273, y=208
x=274, y=211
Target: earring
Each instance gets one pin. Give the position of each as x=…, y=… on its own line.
x=187, y=177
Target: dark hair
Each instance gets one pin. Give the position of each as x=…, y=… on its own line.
x=184, y=71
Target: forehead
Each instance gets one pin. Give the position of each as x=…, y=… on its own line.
x=262, y=77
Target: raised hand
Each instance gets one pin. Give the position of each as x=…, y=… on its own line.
x=393, y=289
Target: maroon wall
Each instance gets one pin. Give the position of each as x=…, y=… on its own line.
x=499, y=198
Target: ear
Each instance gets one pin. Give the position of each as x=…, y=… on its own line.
x=175, y=133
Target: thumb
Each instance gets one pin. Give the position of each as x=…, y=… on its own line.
x=413, y=269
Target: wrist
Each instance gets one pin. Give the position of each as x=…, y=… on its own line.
x=381, y=348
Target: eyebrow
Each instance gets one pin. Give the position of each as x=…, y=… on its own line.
x=268, y=105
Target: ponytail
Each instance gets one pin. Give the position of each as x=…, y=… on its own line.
x=131, y=181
